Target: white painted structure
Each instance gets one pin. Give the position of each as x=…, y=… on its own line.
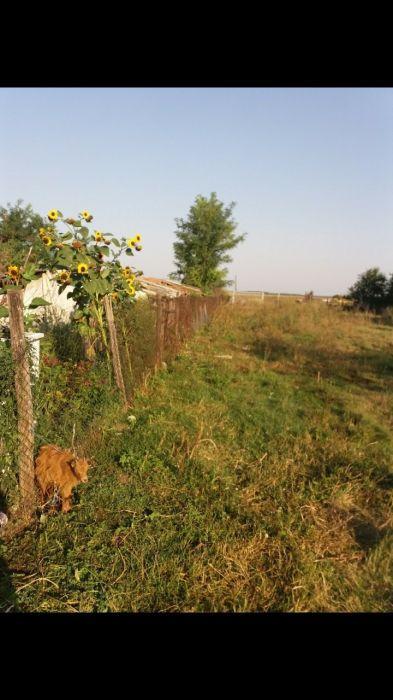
x=33, y=340
x=46, y=287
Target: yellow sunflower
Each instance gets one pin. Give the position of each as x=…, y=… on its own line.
x=47, y=240
x=13, y=270
x=131, y=291
x=126, y=271
x=86, y=215
x=98, y=236
x=83, y=268
x=42, y=232
x=64, y=276
x=138, y=237
x=53, y=214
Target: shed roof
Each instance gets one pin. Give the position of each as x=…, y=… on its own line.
x=154, y=285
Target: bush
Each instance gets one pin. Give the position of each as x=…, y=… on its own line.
x=67, y=342
x=371, y=291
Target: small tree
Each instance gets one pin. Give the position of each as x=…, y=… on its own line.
x=204, y=240
x=18, y=232
x=371, y=290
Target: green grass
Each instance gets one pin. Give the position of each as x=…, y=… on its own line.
x=257, y=483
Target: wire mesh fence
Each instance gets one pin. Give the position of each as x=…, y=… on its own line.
x=153, y=331
x=24, y=402
x=142, y=337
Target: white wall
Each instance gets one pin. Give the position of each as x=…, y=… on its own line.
x=48, y=289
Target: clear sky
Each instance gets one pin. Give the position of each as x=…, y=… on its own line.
x=311, y=171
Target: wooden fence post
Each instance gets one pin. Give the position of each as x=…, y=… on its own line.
x=24, y=402
x=159, y=331
x=165, y=325
x=172, y=326
x=115, y=349
x=177, y=313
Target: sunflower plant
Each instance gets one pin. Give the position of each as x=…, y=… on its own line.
x=88, y=260
x=18, y=277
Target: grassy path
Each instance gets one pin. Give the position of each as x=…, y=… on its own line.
x=257, y=476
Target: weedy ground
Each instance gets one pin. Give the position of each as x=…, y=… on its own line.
x=256, y=476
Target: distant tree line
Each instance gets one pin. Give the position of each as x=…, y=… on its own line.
x=373, y=290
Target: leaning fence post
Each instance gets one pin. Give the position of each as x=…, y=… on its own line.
x=158, y=331
x=164, y=332
x=24, y=401
x=115, y=348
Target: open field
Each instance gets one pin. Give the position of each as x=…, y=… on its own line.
x=257, y=476
x=259, y=295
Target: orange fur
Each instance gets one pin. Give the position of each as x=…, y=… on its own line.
x=58, y=467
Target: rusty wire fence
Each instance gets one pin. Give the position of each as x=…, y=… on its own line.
x=142, y=338
x=24, y=418
x=153, y=331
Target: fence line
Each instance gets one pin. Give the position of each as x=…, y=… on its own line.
x=171, y=321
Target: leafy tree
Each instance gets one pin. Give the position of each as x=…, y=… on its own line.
x=389, y=291
x=204, y=240
x=18, y=232
x=371, y=290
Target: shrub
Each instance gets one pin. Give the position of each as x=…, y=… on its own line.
x=371, y=290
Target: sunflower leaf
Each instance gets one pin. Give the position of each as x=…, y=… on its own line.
x=38, y=301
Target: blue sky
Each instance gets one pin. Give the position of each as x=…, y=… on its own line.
x=311, y=171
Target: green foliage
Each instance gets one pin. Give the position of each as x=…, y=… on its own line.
x=204, y=240
x=389, y=291
x=18, y=232
x=372, y=290
x=82, y=260
x=67, y=343
x=136, y=334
